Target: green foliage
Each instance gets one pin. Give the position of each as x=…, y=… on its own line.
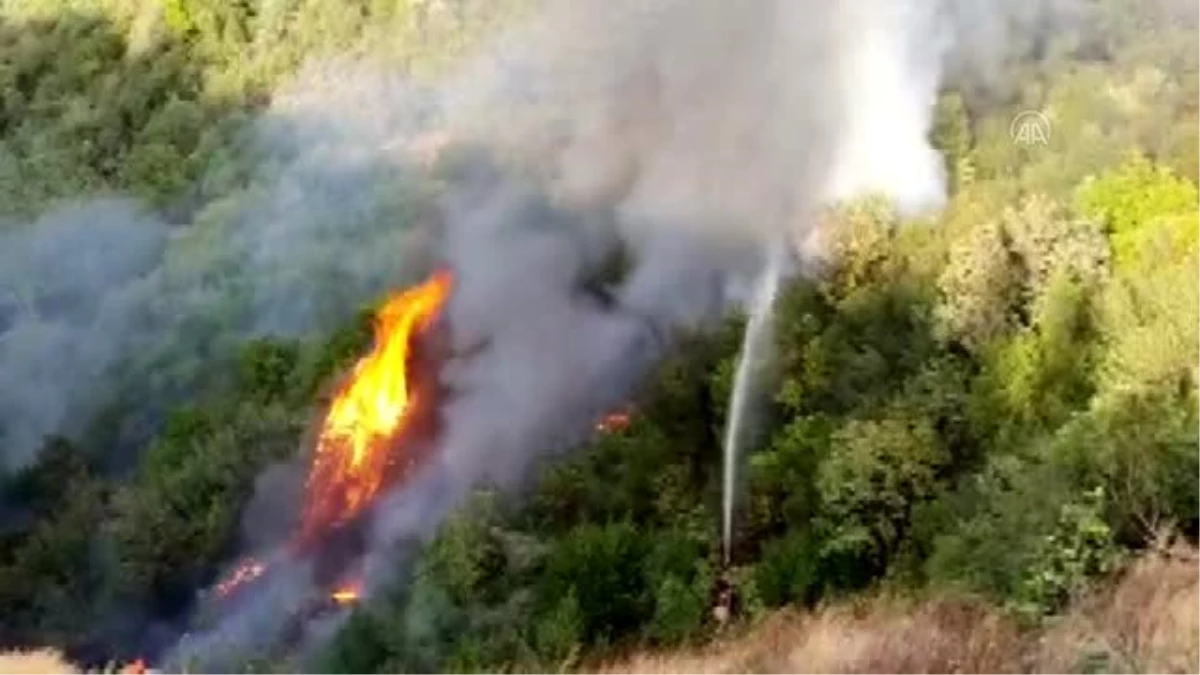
x=784, y=495
x=1134, y=194
x=47, y=575
x=1149, y=317
x=44, y=486
x=465, y=557
x=1003, y=401
x=1140, y=448
x=1170, y=240
x=980, y=534
x=559, y=633
x=607, y=557
x=82, y=110
x=678, y=576
x=981, y=289
x=173, y=525
x=1080, y=547
x=266, y=368
x=883, y=468
x=360, y=646
x=951, y=134
x=1043, y=373
x=789, y=570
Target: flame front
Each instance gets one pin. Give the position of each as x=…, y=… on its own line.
x=352, y=454
x=613, y=422
x=345, y=595
x=244, y=573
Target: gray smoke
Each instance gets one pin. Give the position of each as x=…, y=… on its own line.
x=722, y=121
x=69, y=285
x=686, y=133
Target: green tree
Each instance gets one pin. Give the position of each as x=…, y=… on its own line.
x=1080, y=547
x=981, y=289
x=883, y=468
x=1136, y=196
x=600, y=564
x=951, y=134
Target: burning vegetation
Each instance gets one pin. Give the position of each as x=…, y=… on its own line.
x=247, y=571
x=361, y=447
x=346, y=595
x=615, y=421
x=355, y=455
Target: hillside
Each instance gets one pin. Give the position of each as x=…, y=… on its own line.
x=1146, y=622
x=979, y=421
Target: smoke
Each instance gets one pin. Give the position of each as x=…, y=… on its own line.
x=69, y=284
x=684, y=133
x=730, y=120
x=703, y=120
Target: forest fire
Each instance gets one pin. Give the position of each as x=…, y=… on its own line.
x=363, y=443
x=345, y=595
x=353, y=459
x=246, y=572
x=613, y=422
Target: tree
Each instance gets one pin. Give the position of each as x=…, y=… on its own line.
x=883, y=468
x=951, y=134
x=1133, y=197
x=1149, y=320
x=600, y=565
x=1049, y=242
x=981, y=289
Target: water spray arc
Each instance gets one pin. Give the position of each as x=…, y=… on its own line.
x=755, y=348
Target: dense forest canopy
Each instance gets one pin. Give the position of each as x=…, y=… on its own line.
x=998, y=399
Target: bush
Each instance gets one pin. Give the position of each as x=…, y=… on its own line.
x=788, y=571
x=601, y=565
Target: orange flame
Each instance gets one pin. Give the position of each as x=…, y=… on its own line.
x=352, y=459
x=138, y=667
x=345, y=595
x=611, y=422
x=245, y=573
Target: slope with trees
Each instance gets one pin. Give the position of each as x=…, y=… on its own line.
x=1000, y=403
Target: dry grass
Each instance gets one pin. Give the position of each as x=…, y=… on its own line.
x=720, y=656
x=940, y=636
x=35, y=661
x=882, y=635
x=1149, y=621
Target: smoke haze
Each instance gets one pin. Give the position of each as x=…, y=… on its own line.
x=687, y=133
x=68, y=287
x=696, y=123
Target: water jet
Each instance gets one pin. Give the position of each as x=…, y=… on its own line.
x=755, y=347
